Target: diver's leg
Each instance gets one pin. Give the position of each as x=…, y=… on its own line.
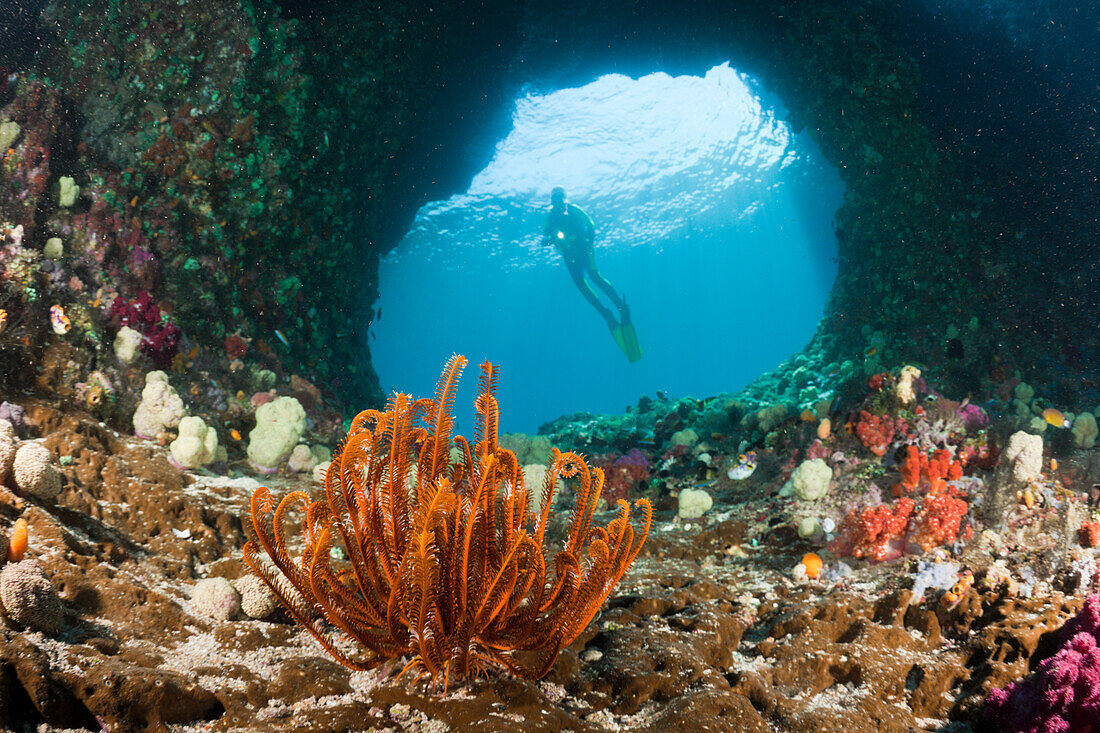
x=595, y=276
x=576, y=271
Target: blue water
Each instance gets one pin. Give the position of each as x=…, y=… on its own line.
x=712, y=217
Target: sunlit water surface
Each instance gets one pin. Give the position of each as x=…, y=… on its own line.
x=712, y=217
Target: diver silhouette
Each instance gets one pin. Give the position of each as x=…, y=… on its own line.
x=572, y=232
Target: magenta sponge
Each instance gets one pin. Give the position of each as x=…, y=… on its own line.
x=1063, y=694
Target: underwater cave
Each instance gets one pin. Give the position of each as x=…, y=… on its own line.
x=793, y=311
x=712, y=217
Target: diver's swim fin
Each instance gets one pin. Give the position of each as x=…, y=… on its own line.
x=627, y=339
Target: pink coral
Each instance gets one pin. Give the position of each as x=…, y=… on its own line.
x=1064, y=692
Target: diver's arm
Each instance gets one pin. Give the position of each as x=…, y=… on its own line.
x=588, y=227
x=550, y=232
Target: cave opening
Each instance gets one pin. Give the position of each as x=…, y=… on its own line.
x=713, y=218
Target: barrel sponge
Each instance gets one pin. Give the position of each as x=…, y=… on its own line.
x=216, y=598
x=810, y=481
x=196, y=445
x=1024, y=454
x=29, y=598
x=34, y=472
x=279, y=426
x=1084, y=430
x=160, y=408
x=257, y=600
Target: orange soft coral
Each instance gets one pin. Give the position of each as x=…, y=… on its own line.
x=933, y=471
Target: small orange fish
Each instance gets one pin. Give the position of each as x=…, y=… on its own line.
x=1055, y=418
x=133, y=201
x=1053, y=464
x=235, y=434
x=812, y=562
x=17, y=545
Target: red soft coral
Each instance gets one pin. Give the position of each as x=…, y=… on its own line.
x=876, y=432
x=874, y=532
x=937, y=523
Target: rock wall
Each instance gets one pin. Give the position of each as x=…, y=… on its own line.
x=242, y=167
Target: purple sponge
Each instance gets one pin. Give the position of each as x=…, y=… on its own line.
x=1063, y=695
x=12, y=413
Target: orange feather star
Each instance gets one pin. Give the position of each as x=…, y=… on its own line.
x=445, y=557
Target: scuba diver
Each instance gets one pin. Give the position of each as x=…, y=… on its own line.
x=571, y=230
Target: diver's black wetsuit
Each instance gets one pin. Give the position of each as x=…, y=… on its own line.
x=571, y=230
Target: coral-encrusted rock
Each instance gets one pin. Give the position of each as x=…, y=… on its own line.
x=320, y=471
x=29, y=597
x=810, y=481
x=257, y=600
x=217, y=598
x=694, y=503
x=301, y=459
x=34, y=472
